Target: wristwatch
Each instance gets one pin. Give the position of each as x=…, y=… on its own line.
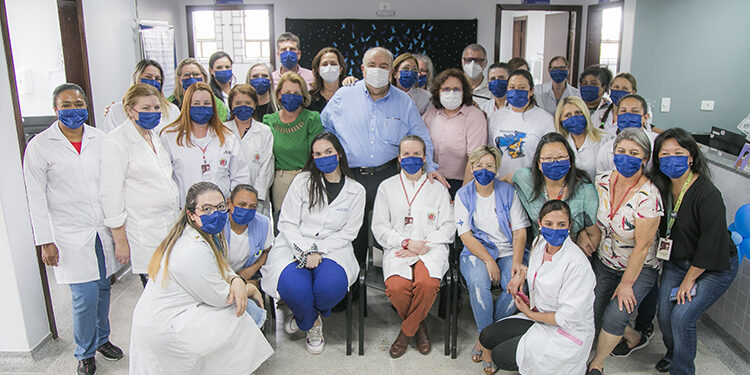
x=405, y=243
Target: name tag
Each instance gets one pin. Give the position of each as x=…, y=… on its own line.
x=665, y=249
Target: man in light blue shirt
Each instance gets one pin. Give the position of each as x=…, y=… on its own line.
x=370, y=119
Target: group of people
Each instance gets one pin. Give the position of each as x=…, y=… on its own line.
x=565, y=199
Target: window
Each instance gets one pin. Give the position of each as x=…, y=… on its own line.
x=609, y=52
x=243, y=31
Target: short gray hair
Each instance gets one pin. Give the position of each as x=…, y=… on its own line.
x=476, y=47
x=375, y=50
x=638, y=136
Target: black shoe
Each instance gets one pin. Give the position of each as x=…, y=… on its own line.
x=110, y=352
x=622, y=349
x=649, y=331
x=87, y=366
x=594, y=372
x=663, y=365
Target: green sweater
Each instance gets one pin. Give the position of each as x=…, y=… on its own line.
x=221, y=109
x=291, y=142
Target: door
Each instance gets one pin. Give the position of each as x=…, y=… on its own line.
x=519, y=37
x=603, y=35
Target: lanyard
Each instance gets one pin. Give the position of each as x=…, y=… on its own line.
x=203, y=150
x=409, y=202
x=613, y=209
x=559, y=196
x=673, y=215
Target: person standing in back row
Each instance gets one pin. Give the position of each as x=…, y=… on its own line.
x=288, y=50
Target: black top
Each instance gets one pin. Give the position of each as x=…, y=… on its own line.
x=334, y=188
x=699, y=232
x=317, y=104
x=262, y=110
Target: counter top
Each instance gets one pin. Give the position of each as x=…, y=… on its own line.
x=724, y=160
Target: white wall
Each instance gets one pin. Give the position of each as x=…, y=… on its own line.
x=37, y=53
x=23, y=317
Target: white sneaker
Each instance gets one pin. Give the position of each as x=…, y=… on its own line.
x=290, y=325
x=315, y=340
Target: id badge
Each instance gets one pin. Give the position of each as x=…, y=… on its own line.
x=665, y=249
x=205, y=171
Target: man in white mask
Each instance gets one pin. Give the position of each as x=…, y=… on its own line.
x=474, y=60
x=370, y=118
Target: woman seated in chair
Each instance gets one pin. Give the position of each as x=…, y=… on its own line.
x=413, y=220
x=312, y=264
x=492, y=225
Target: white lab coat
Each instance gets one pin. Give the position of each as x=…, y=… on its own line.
x=565, y=286
x=137, y=190
x=331, y=226
x=63, y=192
x=588, y=154
x=117, y=116
x=257, y=146
x=432, y=213
x=227, y=166
x=187, y=326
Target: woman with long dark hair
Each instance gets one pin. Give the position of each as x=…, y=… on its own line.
x=220, y=68
x=312, y=264
x=329, y=70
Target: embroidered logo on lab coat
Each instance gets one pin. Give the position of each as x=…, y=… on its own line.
x=257, y=157
x=431, y=217
x=223, y=162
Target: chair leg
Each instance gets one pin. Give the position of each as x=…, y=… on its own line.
x=454, y=312
x=445, y=304
x=349, y=323
x=362, y=311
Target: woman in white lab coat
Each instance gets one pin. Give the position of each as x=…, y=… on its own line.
x=61, y=169
x=201, y=147
x=139, y=197
x=312, y=263
x=256, y=141
x=149, y=72
x=554, y=334
x=413, y=220
x=191, y=317
x=572, y=121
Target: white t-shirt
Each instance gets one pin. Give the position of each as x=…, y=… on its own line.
x=517, y=134
x=485, y=219
x=239, y=247
x=488, y=107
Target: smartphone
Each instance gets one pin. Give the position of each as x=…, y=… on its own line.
x=524, y=298
x=673, y=293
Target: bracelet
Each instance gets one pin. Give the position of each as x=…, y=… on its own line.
x=240, y=277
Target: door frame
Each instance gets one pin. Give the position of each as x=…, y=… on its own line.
x=522, y=46
x=595, y=48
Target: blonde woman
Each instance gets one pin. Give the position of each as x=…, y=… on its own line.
x=139, y=198
x=149, y=72
x=573, y=121
x=192, y=318
x=260, y=77
x=190, y=71
x=293, y=129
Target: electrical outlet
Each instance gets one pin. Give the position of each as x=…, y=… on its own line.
x=666, y=103
x=707, y=105
x=384, y=6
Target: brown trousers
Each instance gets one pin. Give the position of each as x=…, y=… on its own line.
x=412, y=298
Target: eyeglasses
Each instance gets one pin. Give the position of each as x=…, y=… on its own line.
x=209, y=209
x=558, y=158
x=477, y=60
x=450, y=89
x=193, y=75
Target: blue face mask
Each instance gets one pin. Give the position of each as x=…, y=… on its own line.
x=554, y=237
x=617, y=95
x=674, y=166
x=327, y=164
x=555, y=170
x=589, y=93
x=627, y=165
x=629, y=120
x=289, y=59
x=243, y=112
x=152, y=82
x=291, y=102
x=575, y=124
x=148, y=120
x=261, y=85
x=73, y=118
x=242, y=216
x=498, y=87
x=214, y=223
x=518, y=98
x=422, y=81
x=484, y=176
x=407, y=78
x=558, y=75
x=412, y=164
x=201, y=115
x=223, y=76
x=189, y=81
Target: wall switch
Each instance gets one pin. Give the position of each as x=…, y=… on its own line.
x=665, y=104
x=707, y=105
x=384, y=6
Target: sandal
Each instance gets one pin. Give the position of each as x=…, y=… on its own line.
x=476, y=355
x=489, y=368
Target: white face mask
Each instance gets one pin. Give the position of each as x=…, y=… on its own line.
x=377, y=77
x=473, y=70
x=329, y=73
x=451, y=99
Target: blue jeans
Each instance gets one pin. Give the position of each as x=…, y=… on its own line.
x=256, y=312
x=312, y=292
x=91, y=310
x=478, y=282
x=677, y=322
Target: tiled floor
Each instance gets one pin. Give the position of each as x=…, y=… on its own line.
x=714, y=357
